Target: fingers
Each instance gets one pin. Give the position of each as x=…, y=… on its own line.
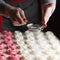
x=19, y=16
x=15, y=23
x=22, y=14
x=19, y=19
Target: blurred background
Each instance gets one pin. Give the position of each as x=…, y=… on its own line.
x=54, y=22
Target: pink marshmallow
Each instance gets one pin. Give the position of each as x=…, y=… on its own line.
x=13, y=57
x=8, y=33
x=13, y=46
x=8, y=42
x=5, y=32
x=1, y=46
x=2, y=57
x=1, y=52
x=12, y=49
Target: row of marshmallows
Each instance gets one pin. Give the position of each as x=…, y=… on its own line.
x=2, y=56
x=11, y=47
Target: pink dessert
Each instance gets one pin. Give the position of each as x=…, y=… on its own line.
x=12, y=49
x=8, y=42
x=13, y=46
x=5, y=32
x=8, y=33
x=1, y=52
x=2, y=57
x=13, y=57
x=1, y=46
x=7, y=37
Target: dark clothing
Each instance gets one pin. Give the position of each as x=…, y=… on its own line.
x=32, y=12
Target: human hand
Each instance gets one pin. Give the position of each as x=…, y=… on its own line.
x=17, y=16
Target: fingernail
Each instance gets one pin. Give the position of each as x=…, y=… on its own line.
x=44, y=26
x=25, y=20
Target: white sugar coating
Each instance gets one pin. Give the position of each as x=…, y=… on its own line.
x=29, y=57
x=27, y=32
x=24, y=52
x=31, y=44
x=17, y=32
x=38, y=34
x=52, y=37
x=38, y=45
x=18, y=35
x=29, y=36
x=19, y=38
x=42, y=41
x=53, y=40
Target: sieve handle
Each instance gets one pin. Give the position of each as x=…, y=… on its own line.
x=34, y=26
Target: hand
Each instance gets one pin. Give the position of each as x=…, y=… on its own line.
x=46, y=14
x=44, y=25
x=16, y=15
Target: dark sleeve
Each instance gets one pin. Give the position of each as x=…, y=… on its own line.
x=48, y=1
x=3, y=5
